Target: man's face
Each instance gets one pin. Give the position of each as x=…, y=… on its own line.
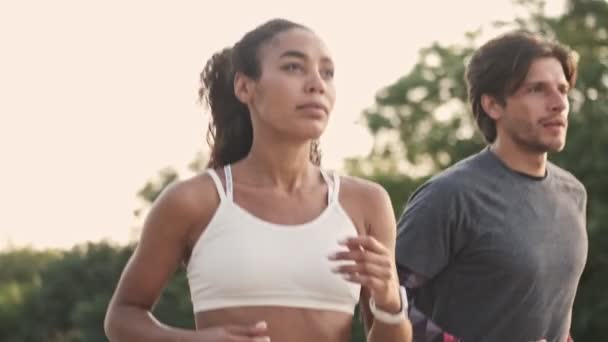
x=535, y=117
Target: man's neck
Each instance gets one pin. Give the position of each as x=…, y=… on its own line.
x=520, y=159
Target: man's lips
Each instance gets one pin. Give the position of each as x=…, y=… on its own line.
x=556, y=122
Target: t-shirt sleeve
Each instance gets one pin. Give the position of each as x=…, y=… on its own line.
x=432, y=228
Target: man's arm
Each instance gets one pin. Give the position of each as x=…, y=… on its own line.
x=431, y=231
x=424, y=329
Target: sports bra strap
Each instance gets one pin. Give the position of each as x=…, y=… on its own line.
x=336, y=192
x=329, y=186
x=333, y=185
x=229, y=187
x=218, y=183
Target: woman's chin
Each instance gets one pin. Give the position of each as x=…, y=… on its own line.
x=314, y=130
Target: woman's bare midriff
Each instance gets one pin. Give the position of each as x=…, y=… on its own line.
x=285, y=324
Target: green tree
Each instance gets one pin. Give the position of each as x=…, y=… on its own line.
x=62, y=296
x=58, y=296
x=19, y=279
x=421, y=125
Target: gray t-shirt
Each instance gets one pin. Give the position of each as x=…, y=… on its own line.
x=503, y=251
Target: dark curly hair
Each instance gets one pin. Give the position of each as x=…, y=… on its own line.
x=230, y=132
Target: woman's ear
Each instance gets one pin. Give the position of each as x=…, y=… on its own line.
x=243, y=87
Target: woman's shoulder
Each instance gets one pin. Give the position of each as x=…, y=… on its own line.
x=357, y=187
x=371, y=201
x=365, y=197
x=190, y=199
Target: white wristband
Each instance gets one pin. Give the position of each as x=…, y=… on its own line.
x=387, y=317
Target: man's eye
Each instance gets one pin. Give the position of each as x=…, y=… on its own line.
x=292, y=67
x=536, y=88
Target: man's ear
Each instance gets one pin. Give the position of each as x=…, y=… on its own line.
x=243, y=87
x=492, y=106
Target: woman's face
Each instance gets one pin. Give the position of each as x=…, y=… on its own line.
x=295, y=92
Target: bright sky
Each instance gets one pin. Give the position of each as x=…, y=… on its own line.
x=96, y=97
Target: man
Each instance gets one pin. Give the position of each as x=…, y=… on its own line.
x=492, y=248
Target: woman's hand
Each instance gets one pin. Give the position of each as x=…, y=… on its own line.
x=373, y=268
x=230, y=333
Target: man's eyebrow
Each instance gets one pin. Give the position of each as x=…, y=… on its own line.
x=544, y=83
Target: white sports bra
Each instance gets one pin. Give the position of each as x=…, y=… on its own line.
x=240, y=260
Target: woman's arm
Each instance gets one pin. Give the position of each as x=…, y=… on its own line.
x=158, y=254
x=177, y=215
x=374, y=268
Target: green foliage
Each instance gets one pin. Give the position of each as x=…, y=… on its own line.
x=19, y=281
x=175, y=307
x=63, y=296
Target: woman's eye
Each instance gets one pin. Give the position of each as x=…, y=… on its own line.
x=328, y=74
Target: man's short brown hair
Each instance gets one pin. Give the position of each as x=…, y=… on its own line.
x=499, y=67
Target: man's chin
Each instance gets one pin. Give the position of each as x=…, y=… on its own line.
x=555, y=147
x=546, y=146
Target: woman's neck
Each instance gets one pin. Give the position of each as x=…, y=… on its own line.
x=283, y=165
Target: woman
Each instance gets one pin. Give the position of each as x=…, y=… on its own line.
x=275, y=247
